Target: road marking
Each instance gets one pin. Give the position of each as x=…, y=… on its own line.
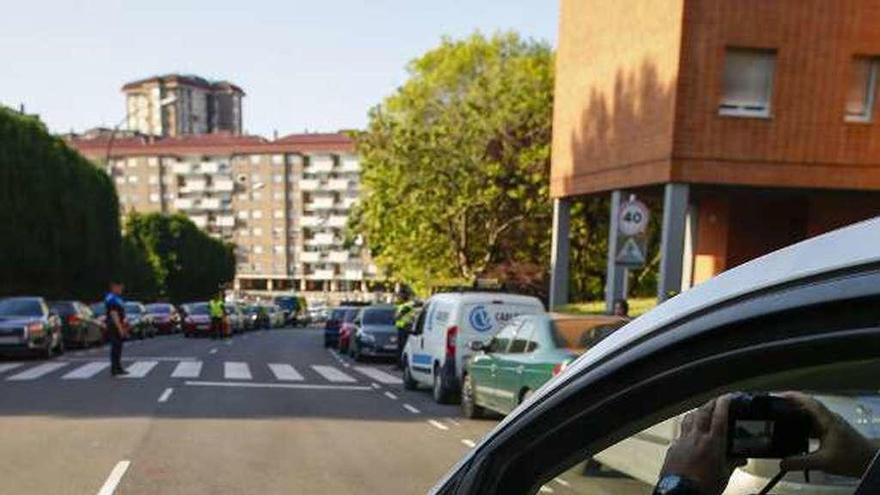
x=562, y=482
x=187, y=369
x=332, y=374
x=115, y=477
x=377, y=386
x=454, y=422
x=140, y=369
x=546, y=489
x=285, y=372
x=133, y=358
x=306, y=386
x=437, y=424
x=390, y=396
x=213, y=351
x=166, y=394
x=346, y=365
x=8, y=366
x=37, y=371
x=236, y=370
x=86, y=371
x=228, y=342
x=467, y=441
x=411, y=409
x=378, y=375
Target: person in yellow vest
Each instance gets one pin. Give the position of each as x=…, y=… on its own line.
x=217, y=311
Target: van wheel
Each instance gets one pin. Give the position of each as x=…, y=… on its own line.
x=440, y=392
x=409, y=383
x=469, y=407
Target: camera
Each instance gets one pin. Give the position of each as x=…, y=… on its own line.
x=762, y=426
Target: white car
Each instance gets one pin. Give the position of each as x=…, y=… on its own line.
x=439, y=342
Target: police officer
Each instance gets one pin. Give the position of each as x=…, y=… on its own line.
x=403, y=319
x=216, y=309
x=116, y=329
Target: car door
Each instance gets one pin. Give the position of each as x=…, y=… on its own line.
x=509, y=378
x=419, y=361
x=486, y=380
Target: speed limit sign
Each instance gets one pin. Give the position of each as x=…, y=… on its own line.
x=633, y=219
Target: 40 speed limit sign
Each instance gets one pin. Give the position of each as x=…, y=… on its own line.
x=632, y=223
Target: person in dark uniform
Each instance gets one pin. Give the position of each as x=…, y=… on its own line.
x=116, y=329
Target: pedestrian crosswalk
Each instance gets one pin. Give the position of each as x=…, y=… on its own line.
x=237, y=371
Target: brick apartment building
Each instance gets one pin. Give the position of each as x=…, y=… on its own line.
x=751, y=124
x=283, y=202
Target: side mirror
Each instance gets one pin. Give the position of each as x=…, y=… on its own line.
x=477, y=346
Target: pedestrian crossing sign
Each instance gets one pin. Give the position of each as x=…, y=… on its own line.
x=631, y=252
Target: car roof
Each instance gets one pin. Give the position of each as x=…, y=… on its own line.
x=467, y=297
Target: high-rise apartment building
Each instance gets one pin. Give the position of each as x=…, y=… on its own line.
x=284, y=202
x=179, y=105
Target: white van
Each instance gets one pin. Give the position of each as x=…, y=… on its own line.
x=440, y=338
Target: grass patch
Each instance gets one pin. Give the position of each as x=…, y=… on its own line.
x=637, y=306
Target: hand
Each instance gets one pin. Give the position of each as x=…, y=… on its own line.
x=700, y=452
x=842, y=449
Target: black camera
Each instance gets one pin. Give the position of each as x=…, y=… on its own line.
x=762, y=426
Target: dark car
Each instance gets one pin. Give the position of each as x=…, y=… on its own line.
x=334, y=321
x=27, y=326
x=374, y=333
x=196, y=319
x=140, y=323
x=165, y=317
x=257, y=316
x=79, y=326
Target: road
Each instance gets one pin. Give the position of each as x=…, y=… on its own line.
x=264, y=412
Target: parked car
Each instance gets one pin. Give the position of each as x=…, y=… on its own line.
x=257, y=316
x=100, y=312
x=346, y=329
x=79, y=326
x=140, y=324
x=196, y=319
x=438, y=346
x=27, y=326
x=236, y=318
x=276, y=316
x=524, y=355
x=804, y=318
x=165, y=317
x=374, y=333
x=333, y=322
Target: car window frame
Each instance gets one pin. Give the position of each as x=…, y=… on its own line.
x=515, y=322
x=526, y=320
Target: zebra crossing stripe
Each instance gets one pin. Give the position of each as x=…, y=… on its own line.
x=332, y=374
x=8, y=366
x=285, y=372
x=187, y=369
x=236, y=370
x=379, y=375
x=87, y=370
x=140, y=369
x=37, y=371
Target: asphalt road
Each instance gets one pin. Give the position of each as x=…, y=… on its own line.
x=264, y=412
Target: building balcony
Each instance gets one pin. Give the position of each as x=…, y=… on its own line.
x=338, y=184
x=322, y=275
x=322, y=240
x=337, y=221
x=351, y=164
x=209, y=167
x=210, y=204
x=338, y=256
x=182, y=168
x=201, y=221
x=347, y=202
x=319, y=165
x=311, y=221
x=326, y=203
x=310, y=256
x=226, y=221
x=353, y=275
x=224, y=185
x=183, y=203
x=194, y=186
x=309, y=184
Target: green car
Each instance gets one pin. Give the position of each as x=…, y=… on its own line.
x=524, y=355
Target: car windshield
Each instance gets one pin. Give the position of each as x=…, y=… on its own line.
x=198, y=309
x=338, y=314
x=579, y=334
x=20, y=307
x=133, y=308
x=383, y=316
x=63, y=308
x=98, y=308
x=158, y=309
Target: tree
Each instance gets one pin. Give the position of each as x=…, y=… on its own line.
x=456, y=162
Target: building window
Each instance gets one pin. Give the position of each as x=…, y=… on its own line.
x=256, y=195
x=748, y=82
x=154, y=179
x=278, y=195
x=132, y=179
x=154, y=198
x=278, y=178
x=258, y=249
x=278, y=159
x=152, y=161
x=243, y=214
x=278, y=214
x=258, y=231
x=279, y=249
x=257, y=214
x=255, y=159
x=861, y=89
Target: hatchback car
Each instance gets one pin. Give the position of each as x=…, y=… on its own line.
x=374, y=333
x=196, y=319
x=805, y=318
x=27, y=326
x=79, y=326
x=165, y=317
x=334, y=322
x=526, y=354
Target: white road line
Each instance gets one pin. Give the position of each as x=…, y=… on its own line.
x=546, y=489
x=346, y=365
x=390, y=396
x=37, y=371
x=166, y=394
x=285, y=372
x=454, y=422
x=236, y=370
x=228, y=342
x=306, y=386
x=187, y=369
x=132, y=358
x=377, y=386
x=87, y=371
x=332, y=374
x=115, y=477
x=8, y=366
x=437, y=424
x=467, y=441
x=213, y=351
x=140, y=369
x=562, y=482
x=411, y=409
x=378, y=375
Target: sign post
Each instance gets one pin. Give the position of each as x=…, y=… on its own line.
x=632, y=226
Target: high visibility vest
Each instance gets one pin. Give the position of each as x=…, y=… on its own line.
x=216, y=309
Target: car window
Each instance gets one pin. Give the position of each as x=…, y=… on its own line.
x=501, y=341
x=63, y=308
x=350, y=315
x=581, y=333
x=21, y=307
x=521, y=340
x=383, y=316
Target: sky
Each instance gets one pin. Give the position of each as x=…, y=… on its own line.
x=315, y=65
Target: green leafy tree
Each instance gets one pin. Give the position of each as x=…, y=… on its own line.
x=456, y=162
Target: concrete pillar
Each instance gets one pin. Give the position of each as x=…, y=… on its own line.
x=559, y=254
x=615, y=275
x=302, y=285
x=270, y=285
x=672, y=243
